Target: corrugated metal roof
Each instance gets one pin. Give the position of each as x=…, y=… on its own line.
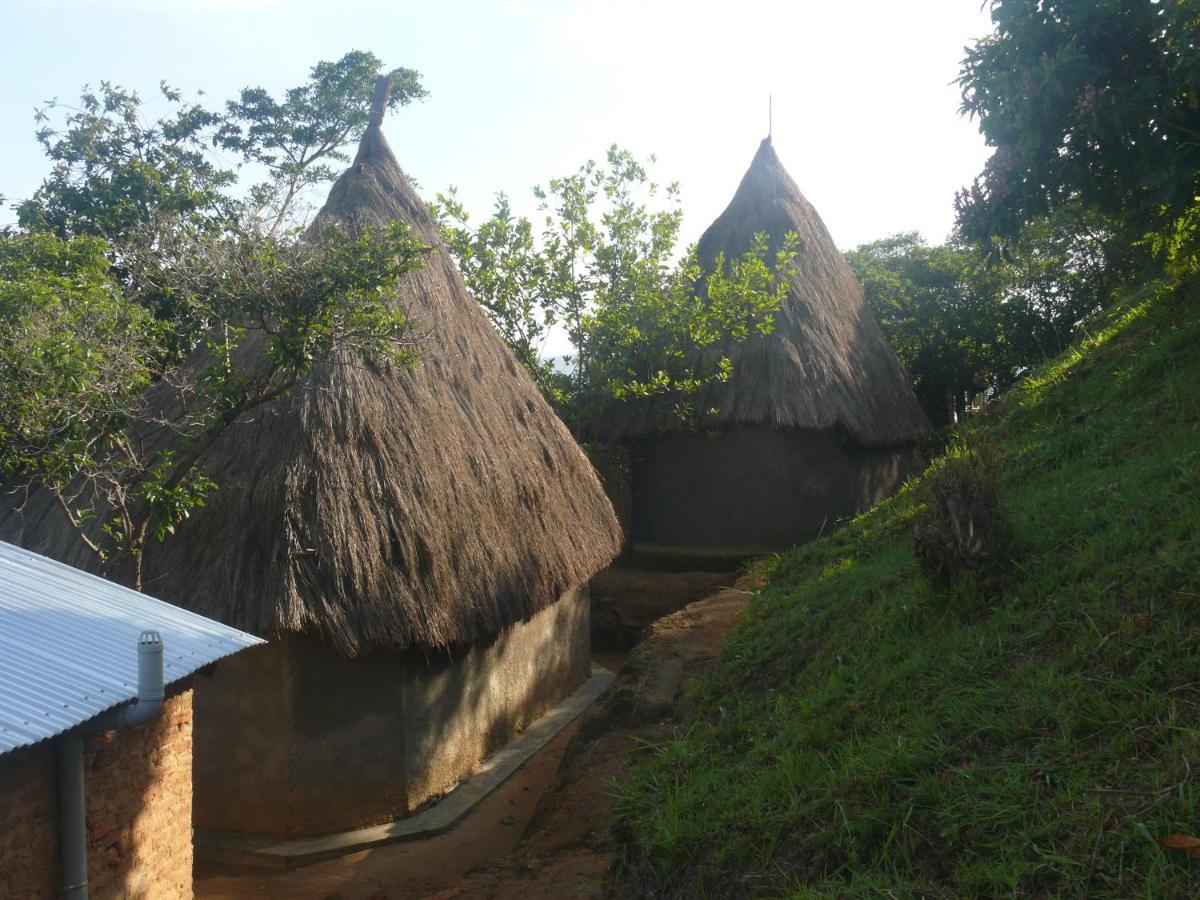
x=68, y=645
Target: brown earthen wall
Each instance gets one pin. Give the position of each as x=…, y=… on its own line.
x=138, y=787
x=243, y=739
x=614, y=467
x=28, y=823
x=753, y=490
x=461, y=706
x=293, y=739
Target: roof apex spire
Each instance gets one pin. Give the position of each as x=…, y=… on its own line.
x=379, y=100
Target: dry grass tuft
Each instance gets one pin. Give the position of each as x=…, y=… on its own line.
x=961, y=535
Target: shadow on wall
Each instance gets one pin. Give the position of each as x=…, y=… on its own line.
x=461, y=706
x=324, y=743
x=139, y=804
x=615, y=468
x=755, y=489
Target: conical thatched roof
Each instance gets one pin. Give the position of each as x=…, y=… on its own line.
x=826, y=366
x=384, y=508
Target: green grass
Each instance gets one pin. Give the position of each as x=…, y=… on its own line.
x=864, y=732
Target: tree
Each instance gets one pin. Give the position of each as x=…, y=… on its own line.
x=966, y=324
x=507, y=273
x=1090, y=103
x=112, y=172
x=942, y=322
x=140, y=281
x=74, y=353
x=1056, y=273
x=298, y=137
x=114, y=175
x=603, y=271
x=79, y=353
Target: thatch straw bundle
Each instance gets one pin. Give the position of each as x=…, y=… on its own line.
x=380, y=507
x=826, y=366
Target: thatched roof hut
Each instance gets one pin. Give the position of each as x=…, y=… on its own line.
x=384, y=508
x=817, y=421
x=826, y=366
x=416, y=542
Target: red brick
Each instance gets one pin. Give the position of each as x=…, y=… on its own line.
x=139, y=810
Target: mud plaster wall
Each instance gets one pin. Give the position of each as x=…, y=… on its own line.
x=293, y=739
x=138, y=788
x=614, y=467
x=756, y=489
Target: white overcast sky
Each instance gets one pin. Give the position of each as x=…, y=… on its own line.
x=865, y=110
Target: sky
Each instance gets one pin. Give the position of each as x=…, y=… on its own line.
x=865, y=111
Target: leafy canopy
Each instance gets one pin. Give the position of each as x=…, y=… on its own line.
x=74, y=353
x=79, y=353
x=113, y=171
x=1089, y=102
x=602, y=270
x=145, y=307
x=297, y=138
x=965, y=325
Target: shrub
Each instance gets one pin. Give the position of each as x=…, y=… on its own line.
x=962, y=537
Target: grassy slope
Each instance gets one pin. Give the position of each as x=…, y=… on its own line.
x=863, y=732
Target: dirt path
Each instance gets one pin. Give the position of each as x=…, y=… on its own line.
x=626, y=601
x=569, y=847
x=414, y=869
x=544, y=833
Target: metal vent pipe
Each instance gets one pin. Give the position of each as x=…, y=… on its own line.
x=72, y=806
x=150, y=683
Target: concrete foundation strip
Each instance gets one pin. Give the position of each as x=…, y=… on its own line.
x=292, y=853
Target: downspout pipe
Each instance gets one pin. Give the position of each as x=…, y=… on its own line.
x=72, y=815
x=72, y=818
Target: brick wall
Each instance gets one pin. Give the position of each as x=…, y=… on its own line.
x=28, y=840
x=139, y=812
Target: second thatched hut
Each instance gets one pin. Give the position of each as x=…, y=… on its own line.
x=818, y=421
x=415, y=543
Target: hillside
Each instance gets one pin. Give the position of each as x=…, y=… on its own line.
x=864, y=732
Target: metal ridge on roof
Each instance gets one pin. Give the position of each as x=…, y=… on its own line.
x=68, y=645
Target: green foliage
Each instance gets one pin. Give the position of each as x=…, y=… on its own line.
x=859, y=737
x=1179, y=246
x=183, y=280
x=941, y=313
x=112, y=171
x=307, y=298
x=603, y=269
x=168, y=500
x=1052, y=277
x=74, y=352
x=965, y=325
x=78, y=354
x=1090, y=102
x=297, y=138
x=670, y=341
x=507, y=274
